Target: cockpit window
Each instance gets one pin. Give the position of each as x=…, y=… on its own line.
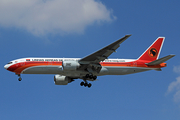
x=10, y=62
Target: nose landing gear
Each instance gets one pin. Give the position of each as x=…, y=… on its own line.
x=19, y=77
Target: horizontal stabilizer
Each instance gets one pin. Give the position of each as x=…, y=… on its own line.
x=159, y=69
x=161, y=60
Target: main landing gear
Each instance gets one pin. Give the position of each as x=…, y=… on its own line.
x=85, y=83
x=91, y=76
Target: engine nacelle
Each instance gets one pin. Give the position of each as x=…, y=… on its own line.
x=70, y=65
x=61, y=80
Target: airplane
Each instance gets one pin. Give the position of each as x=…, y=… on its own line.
x=96, y=64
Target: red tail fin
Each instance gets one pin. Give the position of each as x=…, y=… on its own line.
x=152, y=53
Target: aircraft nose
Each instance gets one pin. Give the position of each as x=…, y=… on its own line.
x=6, y=67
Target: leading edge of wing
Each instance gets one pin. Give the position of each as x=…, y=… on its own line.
x=103, y=53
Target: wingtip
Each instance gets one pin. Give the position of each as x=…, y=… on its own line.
x=128, y=35
x=172, y=55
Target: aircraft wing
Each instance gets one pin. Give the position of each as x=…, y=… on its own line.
x=91, y=63
x=103, y=53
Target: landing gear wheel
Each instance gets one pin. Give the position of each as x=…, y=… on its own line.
x=87, y=75
x=85, y=84
x=19, y=79
x=91, y=76
x=94, y=77
x=82, y=83
x=89, y=85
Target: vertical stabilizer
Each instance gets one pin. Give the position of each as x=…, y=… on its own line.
x=152, y=53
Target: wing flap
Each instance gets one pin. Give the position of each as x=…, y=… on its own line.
x=161, y=60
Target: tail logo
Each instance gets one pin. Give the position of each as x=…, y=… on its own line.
x=153, y=52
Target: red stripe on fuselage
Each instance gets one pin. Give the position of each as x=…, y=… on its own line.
x=19, y=67
x=138, y=63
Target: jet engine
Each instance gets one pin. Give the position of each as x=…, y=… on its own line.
x=62, y=80
x=70, y=65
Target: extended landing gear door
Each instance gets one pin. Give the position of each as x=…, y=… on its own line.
x=96, y=67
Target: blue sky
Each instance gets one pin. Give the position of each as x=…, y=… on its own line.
x=52, y=28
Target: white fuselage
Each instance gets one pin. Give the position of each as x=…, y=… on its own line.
x=55, y=66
